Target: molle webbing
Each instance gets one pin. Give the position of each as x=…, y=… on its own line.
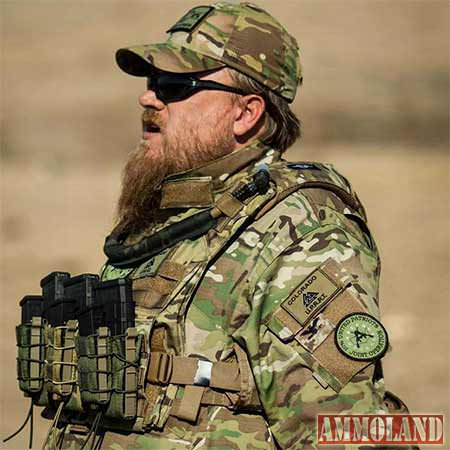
x=102, y=364
x=69, y=367
x=131, y=374
x=32, y=343
x=61, y=360
x=149, y=291
x=110, y=372
x=35, y=378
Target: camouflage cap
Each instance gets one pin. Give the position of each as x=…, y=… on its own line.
x=242, y=36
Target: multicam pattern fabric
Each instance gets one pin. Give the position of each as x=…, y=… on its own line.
x=315, y=333
x=236, y=300
x=242, y=36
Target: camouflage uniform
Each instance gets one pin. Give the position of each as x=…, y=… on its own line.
x=254, y=302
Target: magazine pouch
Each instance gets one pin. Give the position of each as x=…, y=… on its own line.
x=61, y=367
x=31, y=341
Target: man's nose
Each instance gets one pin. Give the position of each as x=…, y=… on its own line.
x=148, y=98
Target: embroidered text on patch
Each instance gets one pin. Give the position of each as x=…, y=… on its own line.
x=310, y=296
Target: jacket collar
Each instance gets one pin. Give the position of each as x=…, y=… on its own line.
x=197, y=187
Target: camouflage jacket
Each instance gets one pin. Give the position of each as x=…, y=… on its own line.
x=264, y=297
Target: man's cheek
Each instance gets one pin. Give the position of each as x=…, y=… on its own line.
x=174, y=131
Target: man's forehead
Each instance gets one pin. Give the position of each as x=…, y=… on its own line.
x=221, y=74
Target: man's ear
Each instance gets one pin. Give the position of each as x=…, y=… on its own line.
x=249, y=112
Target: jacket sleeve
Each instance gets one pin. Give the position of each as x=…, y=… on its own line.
x=289, y=335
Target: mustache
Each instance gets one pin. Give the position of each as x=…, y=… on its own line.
x=150, y=117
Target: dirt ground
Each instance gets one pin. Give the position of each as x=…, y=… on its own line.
x=375, y=102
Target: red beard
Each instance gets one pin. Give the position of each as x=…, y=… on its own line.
x=147, y=167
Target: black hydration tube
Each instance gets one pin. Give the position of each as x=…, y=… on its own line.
x=123, y=256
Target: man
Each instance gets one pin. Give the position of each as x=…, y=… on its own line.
x=255, y=280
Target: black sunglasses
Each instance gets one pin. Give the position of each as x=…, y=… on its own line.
x=173, y=88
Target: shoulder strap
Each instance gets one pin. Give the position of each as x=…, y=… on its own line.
x=291, y=177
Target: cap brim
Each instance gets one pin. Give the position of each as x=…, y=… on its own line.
x=140, y=60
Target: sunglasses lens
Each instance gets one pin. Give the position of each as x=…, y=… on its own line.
x=171, y=89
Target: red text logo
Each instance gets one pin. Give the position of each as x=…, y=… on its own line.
x=380, y=429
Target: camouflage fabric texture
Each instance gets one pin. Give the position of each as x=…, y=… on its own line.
x=242, y=36
x=233, y=310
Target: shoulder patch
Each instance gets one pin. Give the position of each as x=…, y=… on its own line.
x=310, y=296
x=361, y=337
x=191, y=19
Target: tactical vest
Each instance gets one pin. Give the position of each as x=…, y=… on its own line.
x=141, y=378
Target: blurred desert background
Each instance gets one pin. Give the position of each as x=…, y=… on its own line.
x=374, y=102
